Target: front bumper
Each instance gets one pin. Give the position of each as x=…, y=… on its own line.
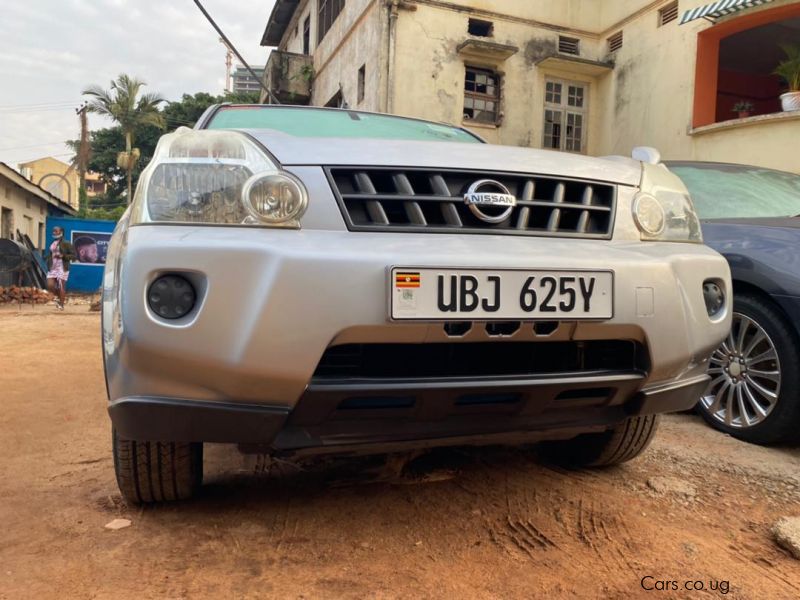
x=318, y=429
x=271, y=302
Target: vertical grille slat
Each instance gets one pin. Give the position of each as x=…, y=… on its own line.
x=555, y=214
x=583, y=221
x=374, y=207
x=525, y=212
x=449, y=211
x=413, y=211
x=429, y=200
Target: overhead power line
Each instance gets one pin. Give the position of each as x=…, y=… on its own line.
x=228, y=43
x=33, y=104
x=19, y=111
x=31, y=146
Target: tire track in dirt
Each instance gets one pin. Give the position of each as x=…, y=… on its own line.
x=542, y=516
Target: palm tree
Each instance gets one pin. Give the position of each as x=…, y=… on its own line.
x=123, y=104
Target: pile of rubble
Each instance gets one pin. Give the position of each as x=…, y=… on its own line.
x=26, y=295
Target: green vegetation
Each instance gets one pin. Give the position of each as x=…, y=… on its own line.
x=109, y=144
x=789, y=69
x=124, y=104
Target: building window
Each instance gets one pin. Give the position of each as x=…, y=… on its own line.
x=328, y=11
x=27, y=227
x=480, y=28
x=307, y=35
x=568, y=45
x=615, y=42
x=668, y=13
x=735, y=69
x=565, y=104
x=481, y=95
x=27, y=202
x=6, y=223
x=362, y=81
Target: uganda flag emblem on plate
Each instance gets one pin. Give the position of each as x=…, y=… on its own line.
x=407, y=279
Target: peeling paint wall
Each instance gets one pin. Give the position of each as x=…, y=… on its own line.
x=646, y=99
x=430, y=72
x=353, y=40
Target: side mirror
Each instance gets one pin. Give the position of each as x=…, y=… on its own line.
x=646, y=154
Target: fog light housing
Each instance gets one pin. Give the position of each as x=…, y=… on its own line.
x=171, y=296
x=714, y=297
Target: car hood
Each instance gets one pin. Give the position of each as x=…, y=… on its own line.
x=295, y=151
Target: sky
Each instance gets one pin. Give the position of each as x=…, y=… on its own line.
x=53, y=49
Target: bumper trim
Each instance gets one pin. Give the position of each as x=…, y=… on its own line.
x=176, y=420
x=672, y=397
x=538, y=408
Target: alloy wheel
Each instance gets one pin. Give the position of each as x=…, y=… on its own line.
x=745, y=376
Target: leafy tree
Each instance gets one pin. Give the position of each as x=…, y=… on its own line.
x=106, y=144
x=124, y=104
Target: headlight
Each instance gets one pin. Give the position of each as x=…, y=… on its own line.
x=218, y=177
x=666, y=216
x=274, y=198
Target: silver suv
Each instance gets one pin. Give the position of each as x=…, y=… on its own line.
x=302, y=280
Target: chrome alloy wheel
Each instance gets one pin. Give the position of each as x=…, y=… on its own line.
x=745, y=376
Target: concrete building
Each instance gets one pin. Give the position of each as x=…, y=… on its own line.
x=590, y=76
x=61, y=180
x=25, y=206
x=244, y=82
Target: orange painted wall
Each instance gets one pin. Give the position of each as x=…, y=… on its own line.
x=707, y=76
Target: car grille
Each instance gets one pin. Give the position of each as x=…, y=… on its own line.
x=432, y=201
x=479, y=359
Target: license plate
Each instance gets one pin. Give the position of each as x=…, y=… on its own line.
x=497, y=294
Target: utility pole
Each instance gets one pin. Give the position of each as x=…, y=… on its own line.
x=228, y=64
x=83, y=155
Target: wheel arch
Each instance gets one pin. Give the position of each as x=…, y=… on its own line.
x=746, y=287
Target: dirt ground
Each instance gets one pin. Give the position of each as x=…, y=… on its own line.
x=463, y=523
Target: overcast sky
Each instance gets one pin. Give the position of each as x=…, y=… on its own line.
x=52, y=49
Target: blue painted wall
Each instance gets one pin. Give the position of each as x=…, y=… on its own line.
x=84, y=276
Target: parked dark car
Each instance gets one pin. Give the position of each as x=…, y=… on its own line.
x=751, y=215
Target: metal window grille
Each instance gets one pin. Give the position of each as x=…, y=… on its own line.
x=568, y=45
x=668, y=13
x=481, y=95
x=328, y=11
x=615, y=42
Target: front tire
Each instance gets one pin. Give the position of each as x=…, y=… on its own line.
x=157, y=471
x=623, y=442
x=754, y=394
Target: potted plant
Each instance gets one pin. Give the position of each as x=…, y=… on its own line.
x=743, y=108
x=789, y=70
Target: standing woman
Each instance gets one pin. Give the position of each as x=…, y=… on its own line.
x=58, y=257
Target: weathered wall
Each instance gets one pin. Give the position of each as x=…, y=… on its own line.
x=429, y=72
x=647, y=99
x=22, y=204
x=354, y=40
x=293, y=37
x=650, y=97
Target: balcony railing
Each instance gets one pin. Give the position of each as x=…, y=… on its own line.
x=289, y=76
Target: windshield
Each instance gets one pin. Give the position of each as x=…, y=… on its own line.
x=736, y=191
x=315, y=122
